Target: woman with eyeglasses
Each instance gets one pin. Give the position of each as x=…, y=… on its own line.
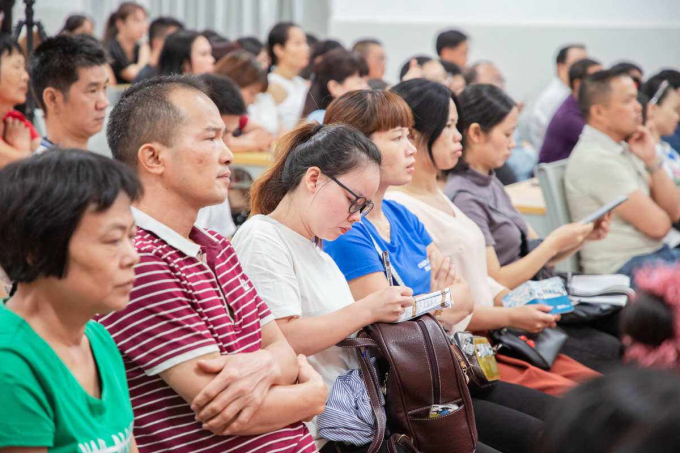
x=318, y=188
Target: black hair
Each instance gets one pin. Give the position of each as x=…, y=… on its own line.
x=337, y=65
x=564, y=51
x=176, y=51
x=225, y=94
x=56, y=61
x=429, y=102
x=625, y=411
x=420, y=59
x=311, y=38
x=643, y=99
x=626, y=66
x=8, y=45
x=451, y=68
x=42, y=207
x=672, y=76
x=335, y=150
x=579, y=70
x=483, y=104
x=595, y=88
x=319, y=50
x=251, y=44
x=214, y=37
x=145, y=114
x=450, y=39
x=74, y=22
x=160, y=25
x=279, y=34
x=652, y=85
x=648, y=320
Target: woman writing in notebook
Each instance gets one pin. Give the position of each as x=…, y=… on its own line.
x=320, y=187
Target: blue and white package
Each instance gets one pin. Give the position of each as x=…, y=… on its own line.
x=549, y=292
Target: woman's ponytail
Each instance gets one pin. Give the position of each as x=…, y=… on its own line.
x=269, y=189
x=335, y=150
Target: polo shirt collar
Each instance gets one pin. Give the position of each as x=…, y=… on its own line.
x=605, y=140
x=167, y=234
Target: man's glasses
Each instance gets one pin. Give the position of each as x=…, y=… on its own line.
x=362, y=205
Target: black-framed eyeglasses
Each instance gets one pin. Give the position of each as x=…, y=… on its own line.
x=362, y=205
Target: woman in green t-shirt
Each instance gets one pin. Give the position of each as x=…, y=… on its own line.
x=66, y=236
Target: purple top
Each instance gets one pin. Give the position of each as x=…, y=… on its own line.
x=484, y=199
x=563, y=132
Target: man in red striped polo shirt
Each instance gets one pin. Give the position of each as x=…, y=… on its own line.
x=195, y=325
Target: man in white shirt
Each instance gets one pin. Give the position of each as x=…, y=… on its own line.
x=554, y=94
x=615, y=156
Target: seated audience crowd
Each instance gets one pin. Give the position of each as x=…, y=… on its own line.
x=141, y=315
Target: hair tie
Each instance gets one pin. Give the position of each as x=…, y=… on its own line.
x=316, y=129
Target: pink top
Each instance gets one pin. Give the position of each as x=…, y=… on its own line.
x=189, y=299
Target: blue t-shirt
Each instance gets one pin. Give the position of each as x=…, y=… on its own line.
x=355, y=254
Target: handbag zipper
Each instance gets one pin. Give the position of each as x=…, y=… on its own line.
x=463, y=364
x=433, y=360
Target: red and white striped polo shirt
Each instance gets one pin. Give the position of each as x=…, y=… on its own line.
x=189, y=299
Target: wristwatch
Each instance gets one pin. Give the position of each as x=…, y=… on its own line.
x=655, y=167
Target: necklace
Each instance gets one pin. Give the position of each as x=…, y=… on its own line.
x=384, y=231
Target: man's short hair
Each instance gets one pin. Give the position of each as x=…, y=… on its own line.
x=564, y=51
x=579, y=70
x=42, y=207
x=361, y=46
x=450, y=39
x=56, y=61
x=625, y=67
x=145, y=114
x=596, y=89
x=159, y=27
x=225, y=94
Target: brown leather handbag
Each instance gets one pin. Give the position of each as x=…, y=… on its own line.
x=418, y=373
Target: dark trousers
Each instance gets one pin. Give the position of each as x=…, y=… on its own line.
x=510, y=418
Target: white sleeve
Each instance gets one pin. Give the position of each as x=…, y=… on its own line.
x=269, y=265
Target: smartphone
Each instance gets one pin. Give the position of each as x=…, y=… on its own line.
x=605, y=209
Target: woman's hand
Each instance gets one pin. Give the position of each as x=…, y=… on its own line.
x=601, y=228
x=17, y=135
x=569, y=237
x=312, y=379
x=388, y=304
x=443, y=272
x=533, y=318
x=463, y=300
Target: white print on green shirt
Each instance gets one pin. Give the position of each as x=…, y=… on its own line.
x=121, y=444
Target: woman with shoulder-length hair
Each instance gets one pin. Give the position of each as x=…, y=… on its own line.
x=124, y=30
x=186, y=52
x=67, y=244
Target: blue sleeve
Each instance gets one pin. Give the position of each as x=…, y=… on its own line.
x=354, y=253
x=414, y=224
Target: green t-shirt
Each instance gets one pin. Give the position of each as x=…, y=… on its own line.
x=43, y=405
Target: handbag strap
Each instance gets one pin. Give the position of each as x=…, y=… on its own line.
x=395, y=274
x=372, y=387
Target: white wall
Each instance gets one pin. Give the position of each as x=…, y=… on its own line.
x=521, y=36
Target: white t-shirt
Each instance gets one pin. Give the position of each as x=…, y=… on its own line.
x=217, y=218
x=295, y=278
x=290, y=110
